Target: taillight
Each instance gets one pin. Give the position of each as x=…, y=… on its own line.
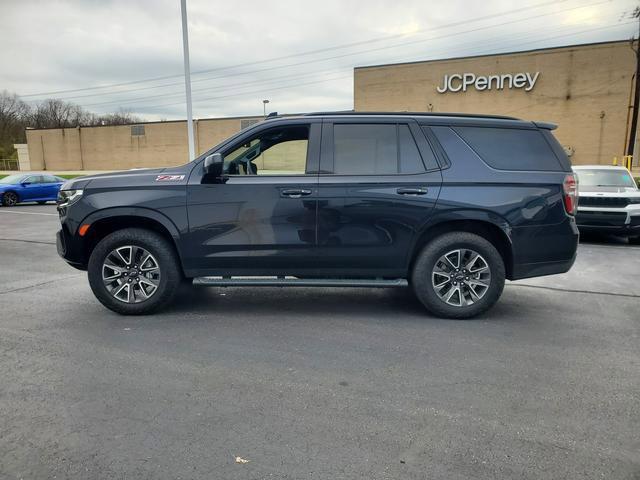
x=570, y=187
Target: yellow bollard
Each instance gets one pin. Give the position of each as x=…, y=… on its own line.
x=615, y=161
x=627, y=161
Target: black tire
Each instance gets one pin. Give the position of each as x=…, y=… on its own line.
x=634, y=240
x=9, y=199
x=162, y=251
x=422, y=274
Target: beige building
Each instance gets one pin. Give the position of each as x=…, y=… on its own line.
x=121, y=147
x=585, y=89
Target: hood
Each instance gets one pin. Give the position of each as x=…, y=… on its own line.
x=607, y=191
x=125, y=175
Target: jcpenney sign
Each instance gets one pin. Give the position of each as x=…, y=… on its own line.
x=462, y=81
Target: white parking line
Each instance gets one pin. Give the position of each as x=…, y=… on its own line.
x=31, y=213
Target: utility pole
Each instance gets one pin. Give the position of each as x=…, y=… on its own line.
x=187, y=78
x=636, y=96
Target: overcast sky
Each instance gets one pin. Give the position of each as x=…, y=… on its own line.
x=299, y=54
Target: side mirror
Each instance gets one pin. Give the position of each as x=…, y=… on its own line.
x=24, y=184
x=213, y=165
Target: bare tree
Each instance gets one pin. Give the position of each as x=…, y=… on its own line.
x=13, y=117
x=16, y=115
x=56, y=113
x=121, y=117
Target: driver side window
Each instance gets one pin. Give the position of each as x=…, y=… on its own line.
x=276, y=151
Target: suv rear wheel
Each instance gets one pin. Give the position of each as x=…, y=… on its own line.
x=458, y=275
x=134, y=271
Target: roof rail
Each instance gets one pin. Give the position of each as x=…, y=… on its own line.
x=412, y=114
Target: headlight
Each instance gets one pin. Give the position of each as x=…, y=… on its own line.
x=68, y=197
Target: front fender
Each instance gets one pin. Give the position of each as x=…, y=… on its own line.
x=132, y=212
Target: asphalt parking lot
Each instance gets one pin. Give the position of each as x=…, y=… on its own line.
x=316, y=383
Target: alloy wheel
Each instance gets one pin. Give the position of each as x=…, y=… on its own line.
x=10, y=199
x=131, y=274
x=461, y=277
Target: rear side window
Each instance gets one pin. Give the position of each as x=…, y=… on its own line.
x=375, y=149
x=510, y=148
x=410, y=160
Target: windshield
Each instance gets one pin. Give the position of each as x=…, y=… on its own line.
x=11, y=179
x=605, y=178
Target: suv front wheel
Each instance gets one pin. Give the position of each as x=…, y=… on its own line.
x=134, y=271
x=458, y=275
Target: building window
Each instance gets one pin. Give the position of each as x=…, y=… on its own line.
x=137, y=130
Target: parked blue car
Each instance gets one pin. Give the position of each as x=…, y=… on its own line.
x=31, y=187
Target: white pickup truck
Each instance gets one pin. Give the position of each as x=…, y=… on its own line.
x=608, y=201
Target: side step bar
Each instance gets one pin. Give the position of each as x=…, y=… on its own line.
x=298, y=282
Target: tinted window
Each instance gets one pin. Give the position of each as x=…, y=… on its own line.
x=410, y=159
x=50, y=179
x=12, y=179
x=277, y=151
x=375, y=149
x=510, y=148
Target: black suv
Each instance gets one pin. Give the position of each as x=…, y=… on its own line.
x=449, y=204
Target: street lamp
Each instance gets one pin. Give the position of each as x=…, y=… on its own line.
x=264, y=107
x=187, y=79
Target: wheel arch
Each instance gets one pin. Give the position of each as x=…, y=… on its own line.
x=484, y=227
x=105, y=222
x=10, y=191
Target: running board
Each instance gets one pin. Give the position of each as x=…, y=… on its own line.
x=297, y=282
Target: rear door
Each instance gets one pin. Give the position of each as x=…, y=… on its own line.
x=50, y=185
x=379, y=182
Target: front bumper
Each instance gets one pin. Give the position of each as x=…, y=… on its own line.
x=617, y=221
x=70, y=249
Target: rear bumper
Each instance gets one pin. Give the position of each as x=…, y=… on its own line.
x=544, y=249
x=528, y=270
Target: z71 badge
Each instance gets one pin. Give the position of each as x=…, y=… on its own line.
x=169, y=178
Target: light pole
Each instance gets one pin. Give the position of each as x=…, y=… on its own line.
x=264, y=107
x=187, y=78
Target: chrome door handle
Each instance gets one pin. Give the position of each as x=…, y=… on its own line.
x=296, y=193
x=412, y=191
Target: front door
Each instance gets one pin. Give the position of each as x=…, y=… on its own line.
x=262, y=219
x=378, y=186
x=32, y=188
